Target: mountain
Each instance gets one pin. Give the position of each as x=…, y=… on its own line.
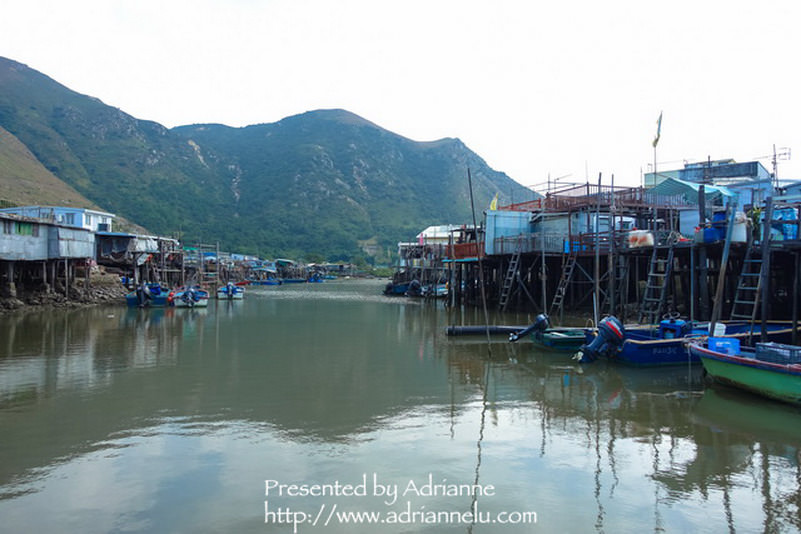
x=325, y=183
x=25, y=180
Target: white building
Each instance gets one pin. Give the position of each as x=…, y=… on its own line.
x=96, y=221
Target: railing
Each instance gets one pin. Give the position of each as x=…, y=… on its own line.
x=461, y=251
x=530, y=243
x=590, y=196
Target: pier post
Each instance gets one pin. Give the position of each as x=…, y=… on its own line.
x=703, y=268
x=10, y=289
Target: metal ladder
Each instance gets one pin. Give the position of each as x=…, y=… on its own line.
x=567, y=274
x=656, y=288
x=511, y=277
x=749, y=287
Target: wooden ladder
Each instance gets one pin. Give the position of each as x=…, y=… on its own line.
x=749, y=287
x=568, y=266
x=511, y=277
x=657, y=285
x=620, y=271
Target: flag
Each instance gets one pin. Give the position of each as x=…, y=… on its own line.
x=494, y=203
x=658, y=129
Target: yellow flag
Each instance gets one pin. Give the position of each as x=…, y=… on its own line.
x=658, y=129
x=494, y=203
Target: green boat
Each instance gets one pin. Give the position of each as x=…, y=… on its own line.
x=561, y=339
x=772, y=370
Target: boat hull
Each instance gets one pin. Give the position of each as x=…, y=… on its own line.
x=267, y=282
x=157, y=301
x=776, y=381
x=569, y=340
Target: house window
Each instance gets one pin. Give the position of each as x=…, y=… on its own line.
x=8, y=227
x=35, y=230
x=24, y=228
x=69, y=218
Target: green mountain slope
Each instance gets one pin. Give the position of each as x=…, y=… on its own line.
x=322, y=183
x=25, y=181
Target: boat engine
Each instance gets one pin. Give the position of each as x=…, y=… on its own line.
x=190, y=296
x=609, y=338
x=540, y=324
x=143, y=295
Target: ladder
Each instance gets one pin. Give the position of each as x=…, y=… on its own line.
x=511, y=277
x=749, y=286
x=657, y=285
x=620, y=271
x=567, y=274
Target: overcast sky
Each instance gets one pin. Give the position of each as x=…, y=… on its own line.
x=534, y=87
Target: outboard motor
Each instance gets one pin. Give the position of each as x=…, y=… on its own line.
x=540, y=324
x=189, y=296
x=143, y=295
x=609, y=338
x=415, y=288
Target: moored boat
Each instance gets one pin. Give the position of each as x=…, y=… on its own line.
x=231, y=291
x=190, y=297
x=563, y=339
x=264, y=282
x=150, y=295
x=772, y=370
x=664, y=344
x=396, y=289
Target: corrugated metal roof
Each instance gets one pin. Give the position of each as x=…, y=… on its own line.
x=674, y=186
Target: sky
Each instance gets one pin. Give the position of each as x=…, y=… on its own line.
x=561, y=89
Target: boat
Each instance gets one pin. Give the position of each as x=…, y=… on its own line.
x=396, y=289
x=562, y=339
x=435, y=290
x=772, y=370
x=264, y=282
x=190, y=297
x=230, y=291
x=150, y=295
x=664, y=344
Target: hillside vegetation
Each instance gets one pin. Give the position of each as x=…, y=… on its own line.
x=324, y=183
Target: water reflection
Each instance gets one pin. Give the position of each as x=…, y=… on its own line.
x=185, y=412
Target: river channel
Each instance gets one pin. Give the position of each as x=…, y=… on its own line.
x=329, y=408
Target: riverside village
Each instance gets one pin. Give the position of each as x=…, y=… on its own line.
x=627, y=353
x=699, y=263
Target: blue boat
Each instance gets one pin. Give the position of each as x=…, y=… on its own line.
x=665, y=343
x=263, y=282
x=151, y=295
x=396, y=289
